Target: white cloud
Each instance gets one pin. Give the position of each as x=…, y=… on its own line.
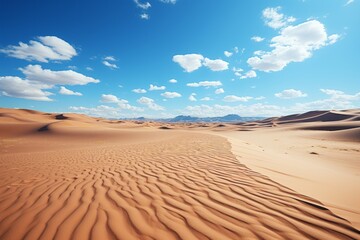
x=35, y=73
x=192, y=97
x=19, y=88
x=189, y=62
x=274, y=19
x=236, y=49
x=349, y=2
x=156, y=88
x=192, y=62
x=260, y=98
x=340, y=95
x=150, y=103
x=216, y=65
x=144, y=6
x=237, y=71
x=219, y=91
x=168, y=1
x=171, y=94
x=333, y=38
x=172, y=81
x=290, y=93
x=233, y=98
x=110, y=65
x=242, y=110
x=109, y=98
x=45, y=49
x=89, y=69
x=106, y=111
x=139, y=90
x=122, y=103
x=64, y=91
x=294, y=44
x=249, y=74
x=72, y=67
x=228, y=54
x=205, y=99
x=99, y=111
x=257, y=39
x=337, y=100
x=205, y=84
x=38, y=79
x=144, y=16
x=110, y=58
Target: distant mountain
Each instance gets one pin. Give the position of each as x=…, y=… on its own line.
x=188, y=119
x=227, y=118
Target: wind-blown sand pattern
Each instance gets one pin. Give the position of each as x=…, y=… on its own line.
x=84, y=178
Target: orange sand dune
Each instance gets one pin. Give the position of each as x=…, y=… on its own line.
x=84, y=178
x=318, y=157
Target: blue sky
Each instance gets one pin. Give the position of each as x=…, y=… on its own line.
x=162, y=58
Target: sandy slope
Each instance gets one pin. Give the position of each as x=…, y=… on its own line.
x=316, y=153
x=84, y=178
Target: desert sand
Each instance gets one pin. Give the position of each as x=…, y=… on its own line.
x=70, y=176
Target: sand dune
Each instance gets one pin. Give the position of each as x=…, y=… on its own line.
x=317, y=157
x=84, y=178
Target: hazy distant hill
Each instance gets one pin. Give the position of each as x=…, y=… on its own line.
x=183, y=118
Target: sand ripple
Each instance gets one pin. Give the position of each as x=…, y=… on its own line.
x=189, y=187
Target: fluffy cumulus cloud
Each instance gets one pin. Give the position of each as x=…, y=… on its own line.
x=122, y=104
x=294, y=44
x=110, y=58
x=42, y=49
x=150, y=103
x=274, y=19
x=189, y=62
x=37, y=80
x=156, y=88
x=290, y=93
x=233, y=98
x=205, y=84
x=109, y=62
x=139, y=90
x=192, y=97
x=257, y=39
x=219, y=91
x=19, y=88
x=109, y=98
x=192, y=62
x=110, y=65
x=216, y=65
x=36, y=73
x=340, y=95
x=205, y=99
x=336, y=99
x=98, y=111
x=172, y=81
x=228, y=54
x=249, y=74
x=171, y=94
x=64, y=91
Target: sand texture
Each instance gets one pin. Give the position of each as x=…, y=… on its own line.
x=75, y=177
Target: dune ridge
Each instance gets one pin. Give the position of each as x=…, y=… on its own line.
x=97, y=180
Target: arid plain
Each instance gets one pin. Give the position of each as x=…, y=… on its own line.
x=70, y=176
